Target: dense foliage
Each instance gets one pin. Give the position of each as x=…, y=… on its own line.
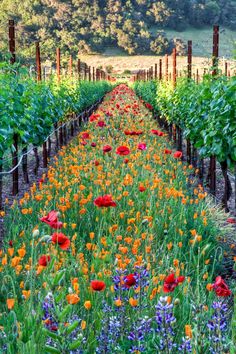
x=86, y=26
x=115, y=252
x=30, y=109
x=206, y=112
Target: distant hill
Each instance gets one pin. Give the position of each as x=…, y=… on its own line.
x=91, y=26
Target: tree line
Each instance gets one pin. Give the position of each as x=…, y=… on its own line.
x=91, y=26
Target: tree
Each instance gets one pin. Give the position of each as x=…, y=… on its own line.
x=160, y=44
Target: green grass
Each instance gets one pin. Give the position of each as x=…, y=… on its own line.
x=202, y=40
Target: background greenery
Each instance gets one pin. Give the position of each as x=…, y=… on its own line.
x=93, y=26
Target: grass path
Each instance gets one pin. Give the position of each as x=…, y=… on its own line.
x=126, y=241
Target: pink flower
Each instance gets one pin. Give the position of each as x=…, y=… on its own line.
x=101, y=124
x=142, y=146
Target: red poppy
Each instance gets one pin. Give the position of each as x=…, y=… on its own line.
x=96, y=162
x=104, y=201
x=231, y=220
x=149, y=106
x=97, y=285
x=44, y=260
x=52, y=220
x=93, y=144
x=133, y=132
x=129, y=280
x=106, y=148
x=157, y=132
x=101, y=124
x=122, y=150
x=142, y=146
x=83, y=142
x=94, y=117
x=170, y=282
x=126, y=160
x=221, y=288
x=142, y=188
x=10, y=243
x=167, y=151
x=85, y=135
x=178, y=154
x=61, y=239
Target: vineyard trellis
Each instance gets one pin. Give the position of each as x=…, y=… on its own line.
x=175, y=130
x=62, y=131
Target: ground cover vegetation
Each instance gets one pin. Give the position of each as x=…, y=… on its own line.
x=118, y=248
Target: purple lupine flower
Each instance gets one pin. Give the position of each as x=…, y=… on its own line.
x=48, y=317
x=185, y=346
x=110, y=332
x=217, y=326
x=140, y=330
x=165, y=319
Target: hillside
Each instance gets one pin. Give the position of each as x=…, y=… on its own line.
x=133, y=26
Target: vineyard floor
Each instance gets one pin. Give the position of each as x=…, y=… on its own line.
x=116, y=248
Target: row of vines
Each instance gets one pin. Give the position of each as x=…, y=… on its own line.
x=204, y=113
x=30, y=109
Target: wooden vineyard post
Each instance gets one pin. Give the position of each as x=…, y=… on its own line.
x=38, y=63
x=89, y=72
x=189, y=70
x=160, y=69
x=93, y=74
x=79, y=68
x=15, y=173
x=215, y=54
x=12, y=42
x=226, y=68
x=166, y=68
x=214, y=73
x=155, y=71
x=190, y=53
